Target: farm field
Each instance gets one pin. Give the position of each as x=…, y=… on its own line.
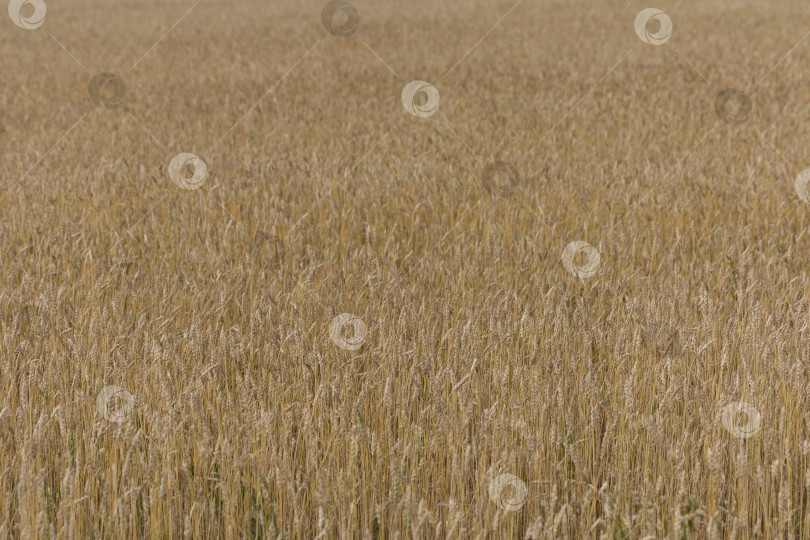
x=373, y=269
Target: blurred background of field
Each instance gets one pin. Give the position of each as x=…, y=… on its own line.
x=484, y=355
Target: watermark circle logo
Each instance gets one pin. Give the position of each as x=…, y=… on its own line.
x=645, y=25
x=108, y=90
x=340, y=18
x=733, y=106
x=184, y=163
x=508, y=492
x=36, y=320
x=43, y=323
x=348, y=331
x=420, y=98
x=741, y=419
x=115, y=404
x=800, y=185
x=575, y=250
x=33, y=20
x=501, y=177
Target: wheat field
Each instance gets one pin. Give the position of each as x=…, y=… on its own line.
x=460, y=269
